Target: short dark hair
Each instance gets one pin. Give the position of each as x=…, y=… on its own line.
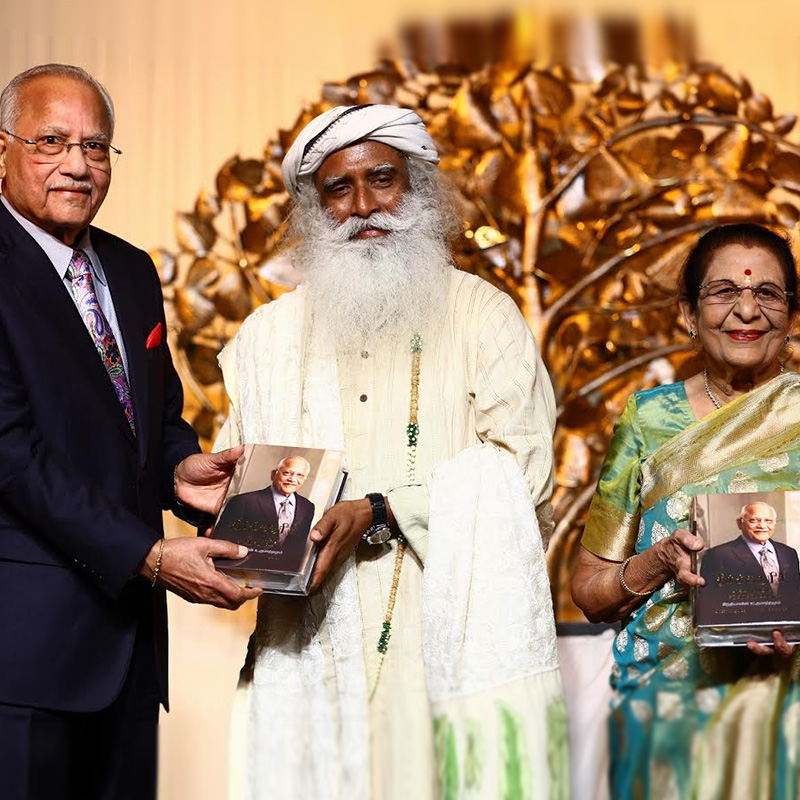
x=746, y=234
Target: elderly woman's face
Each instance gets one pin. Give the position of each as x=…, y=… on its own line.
x=742, y=334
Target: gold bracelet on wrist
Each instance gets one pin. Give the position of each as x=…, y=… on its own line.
x=157, y=567
x=624, y=585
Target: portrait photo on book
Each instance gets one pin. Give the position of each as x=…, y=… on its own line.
x=276, y=495
x=750, y=565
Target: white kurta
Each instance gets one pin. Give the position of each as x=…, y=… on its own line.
x=481, y=380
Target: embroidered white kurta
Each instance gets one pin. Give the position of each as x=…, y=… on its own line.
x=481, y=380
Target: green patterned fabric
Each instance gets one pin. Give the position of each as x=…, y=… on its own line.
x=488, y=757
x=687, y=722
x=444, y=739
x=558, y=751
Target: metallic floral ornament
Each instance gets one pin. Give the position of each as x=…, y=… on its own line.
x=584, y=171
x=677, y=668
x=655, y=617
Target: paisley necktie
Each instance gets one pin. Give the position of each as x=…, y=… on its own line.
x=80, y=274
x=770, y=568
x=284, y=520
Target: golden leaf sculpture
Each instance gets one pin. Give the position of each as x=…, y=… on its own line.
x=581, y=196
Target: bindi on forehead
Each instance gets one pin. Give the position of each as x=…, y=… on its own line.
x=745, y=265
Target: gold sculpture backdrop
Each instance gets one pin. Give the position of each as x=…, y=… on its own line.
x=582, y=183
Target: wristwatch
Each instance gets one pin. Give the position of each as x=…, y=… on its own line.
x=379, y=532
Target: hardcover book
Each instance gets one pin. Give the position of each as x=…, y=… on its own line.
x=276, y=495
x=750, y=566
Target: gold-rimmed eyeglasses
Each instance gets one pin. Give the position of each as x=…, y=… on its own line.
x=726, y=293
x=100, y=154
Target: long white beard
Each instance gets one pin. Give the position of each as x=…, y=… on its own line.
x=367, y=290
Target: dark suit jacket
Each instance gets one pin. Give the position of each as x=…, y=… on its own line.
x=258, y=509
x=80, y=497
x=734, y=559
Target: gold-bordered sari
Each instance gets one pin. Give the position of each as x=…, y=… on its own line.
x=691, y=722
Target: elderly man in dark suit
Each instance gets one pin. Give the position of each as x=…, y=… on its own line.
x=275, y=520
x=751, y=576
x=92, y=447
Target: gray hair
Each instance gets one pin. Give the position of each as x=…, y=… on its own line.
x=9, y=99
x=758, y=503
x=294, y=458
x=428, y=180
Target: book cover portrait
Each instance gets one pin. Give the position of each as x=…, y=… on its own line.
x=276, y=495
x=750, y=564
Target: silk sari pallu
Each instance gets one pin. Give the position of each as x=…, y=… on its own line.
x=711, y=723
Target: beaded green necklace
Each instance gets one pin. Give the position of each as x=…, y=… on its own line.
x=412, y=434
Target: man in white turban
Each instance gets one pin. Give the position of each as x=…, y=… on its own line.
x=424, y=665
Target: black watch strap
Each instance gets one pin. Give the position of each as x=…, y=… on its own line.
x=378, y=505
x=379, y=532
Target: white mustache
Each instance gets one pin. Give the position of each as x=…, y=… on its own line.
x=73, y=185
x=391, y=223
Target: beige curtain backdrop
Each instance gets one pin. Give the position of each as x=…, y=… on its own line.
x=196, y=81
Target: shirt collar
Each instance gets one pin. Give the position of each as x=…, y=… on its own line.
x=755, y=547
x=56, y=251
x=280, y=497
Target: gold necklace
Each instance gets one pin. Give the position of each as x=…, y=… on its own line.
x=412, y=434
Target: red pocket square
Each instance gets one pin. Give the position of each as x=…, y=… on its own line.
x=154, y=339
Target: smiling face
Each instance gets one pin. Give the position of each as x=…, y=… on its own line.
x=742, y=335
x=360, y=180
x=61, y=197
x=757, y=522
x=290, y=475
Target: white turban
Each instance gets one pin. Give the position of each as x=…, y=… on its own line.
x=342, y=126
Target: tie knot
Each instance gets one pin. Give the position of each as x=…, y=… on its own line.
x=78, y=266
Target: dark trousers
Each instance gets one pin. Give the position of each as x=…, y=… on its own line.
x=103, y=755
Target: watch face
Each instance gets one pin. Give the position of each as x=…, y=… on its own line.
x=378, y=534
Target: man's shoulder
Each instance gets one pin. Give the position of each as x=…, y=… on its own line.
x=303, y=501
x=245, y=497
x=733, y=544
x=472, y=295
x=473, y=286
x=723, y=551
x=108, y=241
x=781, y=547
x=264, y=317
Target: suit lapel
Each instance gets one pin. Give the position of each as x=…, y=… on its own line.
x=123, y=294
x=29, y=268
x=268, y=506
x=784, y=562
x=745, y=555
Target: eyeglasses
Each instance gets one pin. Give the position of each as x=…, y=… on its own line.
x=726, y=293
x=102, y=155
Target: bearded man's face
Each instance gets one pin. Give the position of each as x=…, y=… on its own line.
x=362, y=180
x=371, y=245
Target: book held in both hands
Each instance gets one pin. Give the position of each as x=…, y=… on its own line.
x=276, y=496
x=750, y=567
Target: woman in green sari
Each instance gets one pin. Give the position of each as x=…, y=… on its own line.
x=691, y=722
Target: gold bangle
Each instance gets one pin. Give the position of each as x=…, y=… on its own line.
x=625, y=585
x=158, y=563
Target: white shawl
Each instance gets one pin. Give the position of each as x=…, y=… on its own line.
x=489, y=641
